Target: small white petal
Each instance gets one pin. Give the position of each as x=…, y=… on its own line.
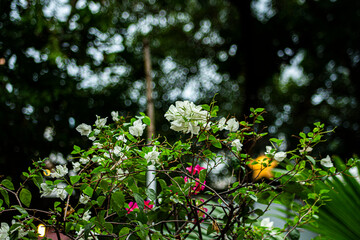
x=84, y=129
x=280, y=156
x=237, y=144
x=326, y=162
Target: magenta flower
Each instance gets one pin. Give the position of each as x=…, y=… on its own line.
x=199, y=187
x=132, y=206
x=194, y=170
x=148, y=205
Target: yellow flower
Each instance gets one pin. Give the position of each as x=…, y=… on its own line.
x=47, y=172
x=261, y=171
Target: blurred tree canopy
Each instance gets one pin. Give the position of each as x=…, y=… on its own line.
x=64, y=61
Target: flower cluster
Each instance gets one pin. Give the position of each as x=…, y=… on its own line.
x=186, y=117
x=198, y=186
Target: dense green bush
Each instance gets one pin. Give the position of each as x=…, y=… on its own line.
x=106, y=195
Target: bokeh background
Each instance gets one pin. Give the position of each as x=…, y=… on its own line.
x=64, y=61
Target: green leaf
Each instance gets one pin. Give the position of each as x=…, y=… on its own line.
x=294, y=235
x=109, y=227
x=87, y=230
x=216, y=144
x=88, y=191
x=100, y=200
x=8, y=184
x=214, y=111
x=74, y=179
x=130, y=137
x=140, y=201
x=25, y=197
x=206, y=107
x=104, y=185
x=56, y=204
x=146, y=120
x=253, y=197
x=258, y=110
x=142, y=232
x=76, y=150
x=68, y=227
x=151, y=194
x=69, y=189
x=123, y=233
x=5, y=196
x=163, y=185
x=21, y=210
x=117, y=201
x=312, y=195
x=202, y=137
x=202, y=175
x=311, y=159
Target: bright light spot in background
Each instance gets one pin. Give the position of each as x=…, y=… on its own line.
x=293, y=72
x=49, y=133
x=9, y=87
x=263, y=9
x=41, y=230
x=58, y=8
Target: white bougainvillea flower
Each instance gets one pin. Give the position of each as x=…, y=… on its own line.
x=45, y=190
x=237, y=144
x=86, y=216
x=60, y=171
x=186, y=117
x=280, y=156
x=4, y=231
x=117, y=150
x=266, y=223
x=84, y=199
x=137, y=129
x=61, y=193
x=76, y=166
x=308, y=149
x=100, y=122
x=121, y=138
x=121, y=174
x=98, y=145
x=326, y=162
x=84, y=160
x=222, y=123
x=152, y=156
x=84, y=129
x=115, y=116
x=268, y=150
x=232, y=125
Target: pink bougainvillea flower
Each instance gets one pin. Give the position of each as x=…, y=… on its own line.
x=199, y=187
x=194, y=170
x=200, y=213
x=148, y=205
x=132, y=206
x=186, y=179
